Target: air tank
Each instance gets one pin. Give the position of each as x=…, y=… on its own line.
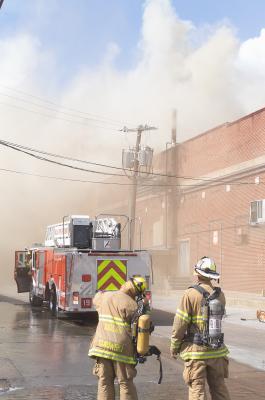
x=144, y=324
x=216, y=312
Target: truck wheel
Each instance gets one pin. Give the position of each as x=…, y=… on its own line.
x=34, y=300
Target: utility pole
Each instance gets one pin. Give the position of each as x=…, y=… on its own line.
x=170, y=192
x=134, y=167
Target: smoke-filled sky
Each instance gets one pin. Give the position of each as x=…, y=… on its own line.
x=119, y=63
x=131, y=62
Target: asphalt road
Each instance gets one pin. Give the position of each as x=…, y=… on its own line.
x=44, y=358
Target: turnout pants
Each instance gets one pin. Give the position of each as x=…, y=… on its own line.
x=213, y=371
x=106, y=371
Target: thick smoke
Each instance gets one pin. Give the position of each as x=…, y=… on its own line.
x=205, y=73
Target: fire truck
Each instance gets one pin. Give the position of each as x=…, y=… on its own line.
x=79, y=257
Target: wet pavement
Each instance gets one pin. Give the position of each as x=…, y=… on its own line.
x=44, y=358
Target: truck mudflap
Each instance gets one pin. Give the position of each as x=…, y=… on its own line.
x=22, y=273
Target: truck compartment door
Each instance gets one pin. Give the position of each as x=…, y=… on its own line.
x=22, y=272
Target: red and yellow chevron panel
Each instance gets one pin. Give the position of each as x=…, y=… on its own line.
x=111, y=274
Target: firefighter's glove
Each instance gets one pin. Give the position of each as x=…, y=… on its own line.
x=173, y=353
x=153, y=350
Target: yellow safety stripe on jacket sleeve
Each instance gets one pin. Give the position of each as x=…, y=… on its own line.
x=111, y=356
x=183, y=315
x=204, y=355
x=113, y=320
x=175, y=344
x=197, y=318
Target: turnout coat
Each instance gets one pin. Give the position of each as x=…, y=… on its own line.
x=113, y=338
x=189, y=320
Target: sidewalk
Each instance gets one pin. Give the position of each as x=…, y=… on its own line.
x=244, y=334
x=170, y=299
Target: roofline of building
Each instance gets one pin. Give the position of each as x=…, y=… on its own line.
x=225, y=124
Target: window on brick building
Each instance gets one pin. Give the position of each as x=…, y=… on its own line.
x=257, y=212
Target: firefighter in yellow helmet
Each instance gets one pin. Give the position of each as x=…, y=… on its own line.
x=197, y=335
x=112, y=344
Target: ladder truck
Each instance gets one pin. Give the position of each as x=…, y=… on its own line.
x=80, y=256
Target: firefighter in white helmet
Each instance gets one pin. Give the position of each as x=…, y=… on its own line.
x=197, y=335
x=112, y=345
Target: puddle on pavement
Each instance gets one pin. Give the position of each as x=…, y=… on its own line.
x=145, y=391
x=4, y=385
x=54, y=393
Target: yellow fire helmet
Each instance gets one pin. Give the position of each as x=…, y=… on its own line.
x=139, y=283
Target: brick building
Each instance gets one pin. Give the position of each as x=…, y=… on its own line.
x=205, y=209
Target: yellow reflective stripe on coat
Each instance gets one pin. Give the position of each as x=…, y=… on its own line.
x=197, y=318
x=113, y=320
x=111, y=274
x=183, y=315
x=96, y=352
x=175, y=343
x=204, y=355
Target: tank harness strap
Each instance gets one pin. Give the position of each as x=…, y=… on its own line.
x=197, y=338
x=153, y=350
x=143, y=330
x=201, y=290
x=160, y=370
x=216, y=292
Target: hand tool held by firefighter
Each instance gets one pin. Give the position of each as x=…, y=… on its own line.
x=144, y=325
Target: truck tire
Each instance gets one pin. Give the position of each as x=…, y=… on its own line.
x=34, y=300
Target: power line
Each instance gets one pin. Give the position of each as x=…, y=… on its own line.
x=80, y=180
x=61, y=164
x=59, y=106
x=12, y=145
x=56, y=117
x=83, y=117
x=61, y=178
x=27, y=151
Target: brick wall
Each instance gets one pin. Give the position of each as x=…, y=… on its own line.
x=209, y=220
x=223, y=146
x=217, y=224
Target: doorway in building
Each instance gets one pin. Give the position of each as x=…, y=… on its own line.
x=184, y=257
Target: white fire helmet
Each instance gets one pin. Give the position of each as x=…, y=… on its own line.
x=206, y=267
